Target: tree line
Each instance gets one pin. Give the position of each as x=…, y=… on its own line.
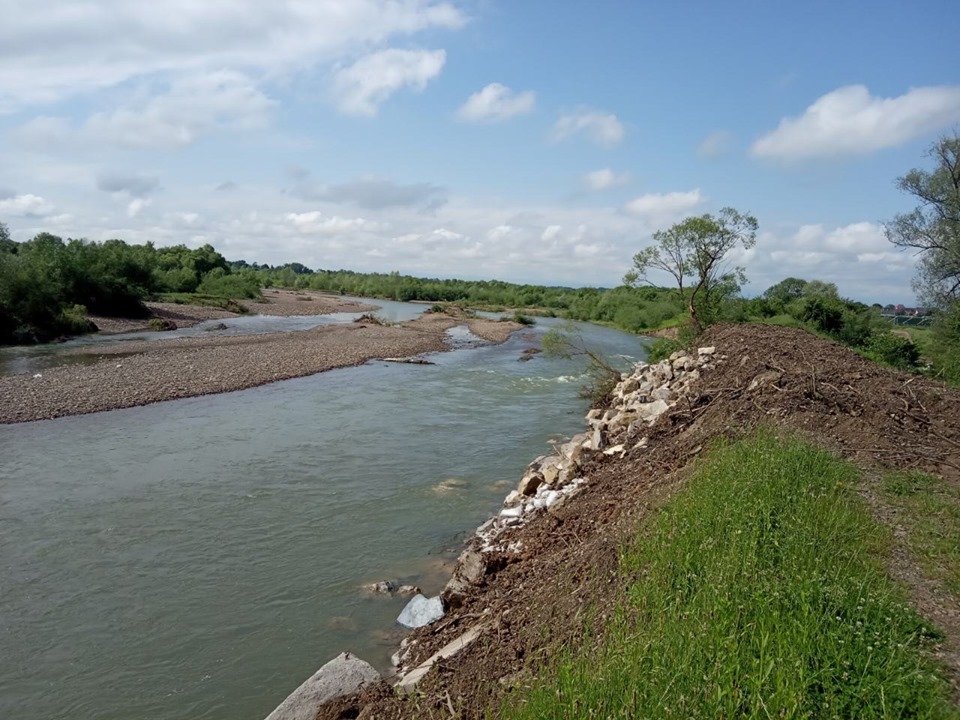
x=48, y=285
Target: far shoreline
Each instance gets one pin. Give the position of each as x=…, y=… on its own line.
x=143, y=373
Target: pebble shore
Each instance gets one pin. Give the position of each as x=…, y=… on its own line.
x=149, y=372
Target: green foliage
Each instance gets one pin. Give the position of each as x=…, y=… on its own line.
x=519, y=317
x=929, y=513
x=933, y=228
x=48, y=284
x=759, y=591
x=663, y=348
x=242, y=285
x=693, y=252
x=945, y=344
x=893, y=350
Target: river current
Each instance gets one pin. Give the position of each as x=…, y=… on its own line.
x=198, y=559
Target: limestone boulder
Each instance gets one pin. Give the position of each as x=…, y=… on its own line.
x=345, y=675
x=421, y=611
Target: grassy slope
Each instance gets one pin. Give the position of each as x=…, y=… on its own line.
x=759, y=591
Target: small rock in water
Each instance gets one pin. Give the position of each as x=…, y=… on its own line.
x=421, y=611
x=384, y=587
x=408, y=590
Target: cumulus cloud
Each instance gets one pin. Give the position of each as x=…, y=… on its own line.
x=50, y=51
x=132, y=184
x=496, y=102
x=361, y=88
x=603, y=129
x=856, y=257
x=850, y=121
x=25, y=205
x=373, y=193
x=715, y=144
x=659, y=210
x=604, y=179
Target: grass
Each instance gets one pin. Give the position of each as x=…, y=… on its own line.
x=929, y=512
x=208, y=300
x=759, y=591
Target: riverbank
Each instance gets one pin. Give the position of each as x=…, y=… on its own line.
x=549, y=581
x=140, y=373
x=281, y=303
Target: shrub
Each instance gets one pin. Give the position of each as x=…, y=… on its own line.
x=893, y=350
x=663, y=348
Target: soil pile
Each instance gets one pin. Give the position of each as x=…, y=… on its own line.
x=536, y=602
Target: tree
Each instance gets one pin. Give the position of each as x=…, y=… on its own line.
x=696, y=250
x=933, y=228
x=7, y=245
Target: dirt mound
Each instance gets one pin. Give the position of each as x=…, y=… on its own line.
x=566, y=573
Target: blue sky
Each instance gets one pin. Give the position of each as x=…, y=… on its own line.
x=528, y=141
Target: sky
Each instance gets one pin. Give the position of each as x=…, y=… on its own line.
x=529, y=141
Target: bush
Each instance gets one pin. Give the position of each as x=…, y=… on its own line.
x=519, y=317
x=74, y=321
x=231, y=286
x=662, y=349
x=893, y=350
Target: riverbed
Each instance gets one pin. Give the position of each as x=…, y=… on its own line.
x=199, y=558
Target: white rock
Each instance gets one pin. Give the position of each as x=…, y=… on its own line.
x=613, y=450
x=512, y=512
x=706, y=350
x=512, y=498
x=344, y=675
x=421, y=611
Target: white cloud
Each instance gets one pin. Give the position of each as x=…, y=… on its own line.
x=190, y=107
x=136, y=205
x=26, y=205
x=715, y=144
x=851, y=121
x=496, y=102
x=193, y=106
x=315, y=222
x=49, y=51
x=550, y=232
x=604, y=179
x=603, y=129
x=857, y=257
x=361, y=88
x=658, y=210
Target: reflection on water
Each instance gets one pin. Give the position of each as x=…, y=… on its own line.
x=200, y=558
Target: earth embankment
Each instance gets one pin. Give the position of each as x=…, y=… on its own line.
x=557, y=580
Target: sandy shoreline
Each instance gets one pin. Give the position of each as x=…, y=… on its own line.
x=148, y=372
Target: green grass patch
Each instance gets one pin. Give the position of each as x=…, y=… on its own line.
x=930, y=514
x=758, y=591
x=216, y=301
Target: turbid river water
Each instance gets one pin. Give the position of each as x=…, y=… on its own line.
x=198, y=559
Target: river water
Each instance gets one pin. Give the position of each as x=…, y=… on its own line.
x=198, y=559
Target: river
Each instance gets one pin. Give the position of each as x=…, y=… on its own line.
x=198, y=559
